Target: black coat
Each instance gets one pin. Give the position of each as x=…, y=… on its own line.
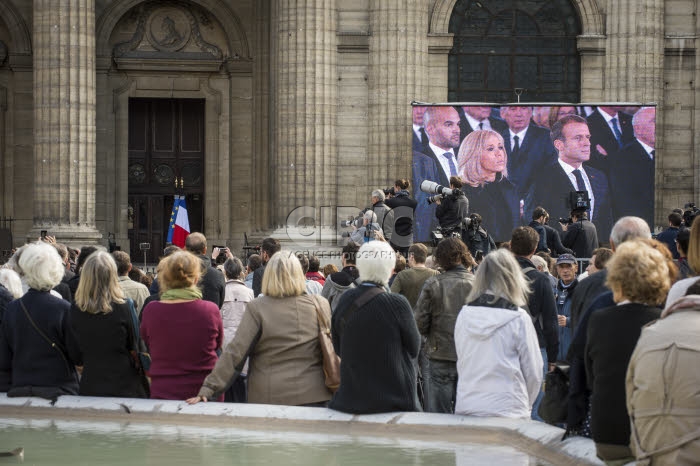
x=612, y=336
x=378, y=347
x=452, y=210
x=26, y=358
x=554, y=242
x=542, y=308
x=212, y=283
x=105, y=340
x=5, y=299
x=582, y=238
x=499, y=207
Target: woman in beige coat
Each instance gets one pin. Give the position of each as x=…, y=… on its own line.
x=279, y=333
x=662, y=386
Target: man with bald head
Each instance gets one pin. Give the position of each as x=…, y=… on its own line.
x=442, y=128
x=631, y=172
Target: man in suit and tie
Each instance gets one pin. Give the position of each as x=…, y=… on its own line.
x=472, y=118
x=611, y=130
x=631, y=172
x=528, y=146
x=436, y=161
x=554, y=183
x=420, y=138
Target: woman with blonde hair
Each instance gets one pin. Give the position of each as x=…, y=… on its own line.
x=279, y=336
x=483, y=166
x=499, y=362
x=38, y=350
x=183, y=332
x=102, y=321
x=639, y=277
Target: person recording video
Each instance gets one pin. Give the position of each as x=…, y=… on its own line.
x=580, y=234
x=453, y=208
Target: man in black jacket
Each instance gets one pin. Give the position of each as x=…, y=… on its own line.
x=581, y=235
x=212, y=282
x=268, y=248
x=540, y=303
x=452, y=209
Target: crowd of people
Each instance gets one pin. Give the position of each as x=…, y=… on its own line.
x=441, y=332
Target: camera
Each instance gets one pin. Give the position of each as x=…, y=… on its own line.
x=473, y=222
x=44, y=233
x=441, y=233
x=434, y=199
x=579, y=200
x=565, y=221
x=389, y=191
x=357, y=221
x=442, y=192
x=689, y=213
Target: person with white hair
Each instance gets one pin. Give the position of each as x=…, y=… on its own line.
x=499, y=364
x=38, y=350
x=365, y=233
x=10, y=288
x=375, y=335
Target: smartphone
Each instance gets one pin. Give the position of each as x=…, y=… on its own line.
x=43, y=234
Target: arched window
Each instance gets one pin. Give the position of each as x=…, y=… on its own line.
x=500, y=45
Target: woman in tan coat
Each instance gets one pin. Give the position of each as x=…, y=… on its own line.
x=279, y=333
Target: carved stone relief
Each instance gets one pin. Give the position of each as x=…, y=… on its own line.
x=167, y=30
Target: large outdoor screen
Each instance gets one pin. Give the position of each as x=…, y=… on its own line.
x=512, y=159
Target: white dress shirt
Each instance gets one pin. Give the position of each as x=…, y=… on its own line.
x=648, y=149
x=521, y=136
x=444, y=163
x=572, y=178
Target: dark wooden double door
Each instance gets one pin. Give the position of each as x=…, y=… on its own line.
x=166, y=146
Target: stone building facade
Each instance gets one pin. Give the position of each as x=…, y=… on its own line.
x=259, y=107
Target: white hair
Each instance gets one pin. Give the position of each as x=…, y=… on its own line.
x=500, y=275
x=370, y=216
x=375, y=262
x=379, y=194
x=10, y=280
x=538, y=262
x=629, y=228
x=42, y=266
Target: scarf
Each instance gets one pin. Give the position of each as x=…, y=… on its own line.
x=181, y=293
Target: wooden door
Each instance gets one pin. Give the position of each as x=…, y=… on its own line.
x=166, y=145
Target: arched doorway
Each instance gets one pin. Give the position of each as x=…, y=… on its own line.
x=500, y=45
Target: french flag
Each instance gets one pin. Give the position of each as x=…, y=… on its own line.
x=179, y=227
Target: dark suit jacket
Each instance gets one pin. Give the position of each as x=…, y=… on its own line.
x=631, y=177
x=465, y=128
x=603, y=135
x=424, y=168
x=442, y=177
x=417, y=143
x=536, y=151
x=551, y=190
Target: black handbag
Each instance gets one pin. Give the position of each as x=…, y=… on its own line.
x=140, y=356
x=555, y=402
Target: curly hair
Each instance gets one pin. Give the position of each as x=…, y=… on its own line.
x=452, y=252
x=469, y=157
x=639, y=272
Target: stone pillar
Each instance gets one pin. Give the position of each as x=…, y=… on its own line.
x=635, y=51
x=64, y=120
x=304, y=99
x=398, y=75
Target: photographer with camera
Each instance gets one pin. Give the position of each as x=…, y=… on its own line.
x=401, y=217
x=452, y=208
x=579, y=233
x=366, y=232
x=475, y=237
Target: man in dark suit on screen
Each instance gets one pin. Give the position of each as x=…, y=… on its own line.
x=528, y=146
x=472, y=118
x=554, y=183
x=420, y=138
x=611, y=130
x=631, y=172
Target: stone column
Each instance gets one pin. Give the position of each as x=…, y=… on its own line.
x=398, y=75
x=304, y=99
x=635, y=51
x=64, y=120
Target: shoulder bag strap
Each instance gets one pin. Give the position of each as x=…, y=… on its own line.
x=134, y=323
x=360, y=301
x=53, y=344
